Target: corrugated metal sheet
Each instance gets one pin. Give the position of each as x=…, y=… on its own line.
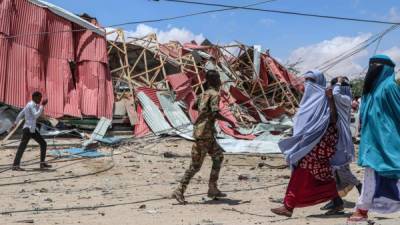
x=190, y=101
x=72, y=102
x=40, y=62
x=281, y=73
x=58, y=75
x=153, y=116
x=35, y=72
x=7, y=8
x=226, y=112
x=151, y=93
x=181, y=84
x=90, y=46
x=244, y=146
x=15, y=88
x=4, y=46
x=69, y=16
x=141, y=128
x=60, y=44
x=245, y=101
x=175, y=115
x=29, y=19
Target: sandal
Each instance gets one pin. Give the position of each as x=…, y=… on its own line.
x=282, y=211
x=359, y=216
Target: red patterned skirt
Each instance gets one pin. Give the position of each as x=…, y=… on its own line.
x=312, y=181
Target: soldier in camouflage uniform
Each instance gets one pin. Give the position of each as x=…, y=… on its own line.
x=204, y=133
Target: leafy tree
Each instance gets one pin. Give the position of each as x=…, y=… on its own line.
x=357, y=86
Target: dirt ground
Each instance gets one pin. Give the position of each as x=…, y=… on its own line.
x=133, y=187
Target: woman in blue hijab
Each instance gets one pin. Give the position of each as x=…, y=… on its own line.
x=345, y=179
x=311, y=151
x=379, y=150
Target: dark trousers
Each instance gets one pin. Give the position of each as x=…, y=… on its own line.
x=26, y=136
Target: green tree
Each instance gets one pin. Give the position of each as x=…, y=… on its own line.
x=357, y=86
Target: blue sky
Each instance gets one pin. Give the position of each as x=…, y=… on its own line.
x=282, y=34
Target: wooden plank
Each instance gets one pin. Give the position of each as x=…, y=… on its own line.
x=3, y=142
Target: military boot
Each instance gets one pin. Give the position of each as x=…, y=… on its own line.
x=214, y=192
x=178, y=195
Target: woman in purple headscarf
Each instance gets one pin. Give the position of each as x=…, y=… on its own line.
x=312, y=148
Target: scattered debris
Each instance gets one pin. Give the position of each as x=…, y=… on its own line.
x=26, y=221
x=243, y=177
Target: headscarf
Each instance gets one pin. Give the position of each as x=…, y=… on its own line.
x=310, y=123
x=342, y=96
x=346, y=90
x=380, y=120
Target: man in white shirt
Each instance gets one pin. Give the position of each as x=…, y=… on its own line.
x=31, y=113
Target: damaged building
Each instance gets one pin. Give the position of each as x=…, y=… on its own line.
x=86, y=72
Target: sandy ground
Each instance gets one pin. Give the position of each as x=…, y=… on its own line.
x=133, y=187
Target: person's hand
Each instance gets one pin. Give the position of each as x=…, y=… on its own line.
x=45, y=101
x=329, y=93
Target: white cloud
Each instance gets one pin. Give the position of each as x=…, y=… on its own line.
x=171, y=34
x=267, y=22
x=394, y=14
x=394, y=54
x=315, y=55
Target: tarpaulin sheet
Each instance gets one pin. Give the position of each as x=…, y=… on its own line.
x=77, y=153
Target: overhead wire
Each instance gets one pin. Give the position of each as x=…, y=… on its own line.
x=329, y=64
x=138, y=22
x=226, y=8
x=286, y=12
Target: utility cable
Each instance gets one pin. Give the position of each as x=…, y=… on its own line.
x=287, y=12
x=329, y=64
x=137, y=22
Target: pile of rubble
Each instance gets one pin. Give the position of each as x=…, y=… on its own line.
x=88, y=73
x=156, y=82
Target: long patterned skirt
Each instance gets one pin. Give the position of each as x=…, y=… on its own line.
x=312, y=181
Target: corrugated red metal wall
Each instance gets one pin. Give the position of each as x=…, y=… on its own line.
x=30, y=62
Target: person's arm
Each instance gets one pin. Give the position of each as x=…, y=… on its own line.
x=342, y=98
x=223, y=118
x=214, y=107
x=398, y=78
x=19, y=117
x=332, y=106
x=37, y=112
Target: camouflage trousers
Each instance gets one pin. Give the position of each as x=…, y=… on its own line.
x=199, y=151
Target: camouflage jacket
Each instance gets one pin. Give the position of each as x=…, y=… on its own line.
x=208, y=106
